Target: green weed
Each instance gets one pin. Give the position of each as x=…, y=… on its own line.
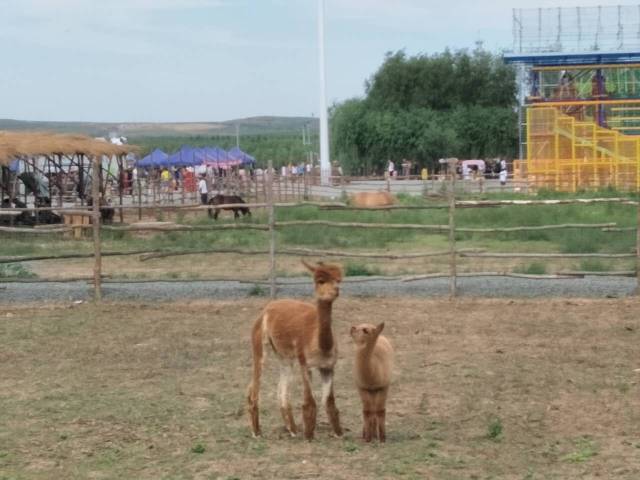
x=351, y=447
x=198, y=448
x=495, y=429
x=585, y=449
x=257, y=291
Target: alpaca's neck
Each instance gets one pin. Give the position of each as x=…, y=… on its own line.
x=325, y=334
x=366, y=350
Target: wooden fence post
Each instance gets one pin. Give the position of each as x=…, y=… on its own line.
x=139, y=198
x=272, y=232
x=638, y=249
x=452, y=227
x=97, y=253
x=121, y=179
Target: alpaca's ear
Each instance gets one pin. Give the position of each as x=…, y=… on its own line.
x=380, y=327
x=309, y=267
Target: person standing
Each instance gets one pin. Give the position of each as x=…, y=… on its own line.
x=202, y=190
x=503, y=172
x=391, y=168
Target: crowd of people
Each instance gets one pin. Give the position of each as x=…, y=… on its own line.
x=467, y=170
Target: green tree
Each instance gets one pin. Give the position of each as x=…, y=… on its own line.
x=428, y=107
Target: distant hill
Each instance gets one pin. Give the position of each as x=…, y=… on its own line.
x=248, y=126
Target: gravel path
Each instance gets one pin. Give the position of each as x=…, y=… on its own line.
x=487, y=287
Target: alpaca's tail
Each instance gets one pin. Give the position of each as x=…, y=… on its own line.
x=253, y=391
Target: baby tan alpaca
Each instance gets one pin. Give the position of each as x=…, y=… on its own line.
x=372, y=372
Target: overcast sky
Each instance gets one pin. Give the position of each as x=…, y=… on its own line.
x=209, y=60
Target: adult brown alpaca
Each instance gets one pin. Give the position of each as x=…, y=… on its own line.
x=299, y=331
x=372, y=199
x=372, y=372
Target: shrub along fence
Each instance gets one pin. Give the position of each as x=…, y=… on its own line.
x=272, y=226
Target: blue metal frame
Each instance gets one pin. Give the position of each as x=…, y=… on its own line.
x=586, y=58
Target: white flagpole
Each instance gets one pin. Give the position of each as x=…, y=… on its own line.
x=325, y=164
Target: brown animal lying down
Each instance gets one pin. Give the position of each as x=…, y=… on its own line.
x=372, y=199
x=372, y=372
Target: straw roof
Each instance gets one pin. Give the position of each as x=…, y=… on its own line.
x=34, y=144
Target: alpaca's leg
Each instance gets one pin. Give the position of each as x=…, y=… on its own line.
x=368, y=415
x=253, y=392
x=309, y=404
x=286, y=372
x=328, y=399
x=381, y=413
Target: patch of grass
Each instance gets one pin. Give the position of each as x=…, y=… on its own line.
x=495, y=429
x=198, y=448
x=257, y=291
x=593, y=265
x=534, y=268
x=113, y=236
x=351, y=447
x=352, y=269
x=623, y=387
x=585, y=449
x=581, y=241
x=15, y=270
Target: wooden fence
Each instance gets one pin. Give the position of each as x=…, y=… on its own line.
x=271, y=204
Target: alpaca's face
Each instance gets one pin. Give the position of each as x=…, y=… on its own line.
x=327, y=289
x=327, y=278
x=363, y=333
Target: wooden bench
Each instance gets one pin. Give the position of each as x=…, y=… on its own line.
x=76, y=220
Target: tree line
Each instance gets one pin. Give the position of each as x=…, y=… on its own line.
x=427, y=107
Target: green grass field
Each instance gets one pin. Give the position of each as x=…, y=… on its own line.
x=399, y=241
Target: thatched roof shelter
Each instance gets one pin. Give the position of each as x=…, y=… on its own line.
x=35, y=144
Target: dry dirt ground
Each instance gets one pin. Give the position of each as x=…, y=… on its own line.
x=483, y=389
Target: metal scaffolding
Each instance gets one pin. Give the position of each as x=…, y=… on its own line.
x=579, y=96
x=576, y=29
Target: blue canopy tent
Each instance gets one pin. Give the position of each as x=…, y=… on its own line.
x=208, y=156
x=215, y=156
x=244, y=158
x=154, y=159
x=187, y=156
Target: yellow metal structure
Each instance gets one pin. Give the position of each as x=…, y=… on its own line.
x=568, y=151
